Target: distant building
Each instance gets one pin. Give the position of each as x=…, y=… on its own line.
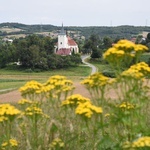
x=7, y=40
x=65, y=45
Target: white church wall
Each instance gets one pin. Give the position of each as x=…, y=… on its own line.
x=62, y=41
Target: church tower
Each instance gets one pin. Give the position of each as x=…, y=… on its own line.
x=62, y=39
x=65, y=45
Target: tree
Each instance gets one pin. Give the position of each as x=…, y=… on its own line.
x=48, y=45
x=23, y=52
x=3, y=56
x=96, y=53
x=107, y=42
x=91, y=43
x=34, y=56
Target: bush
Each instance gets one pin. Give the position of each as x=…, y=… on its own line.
x=109, y=73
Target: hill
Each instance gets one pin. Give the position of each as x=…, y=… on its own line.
x=9, y=29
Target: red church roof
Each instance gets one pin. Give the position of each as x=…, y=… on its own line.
x=64, y=51
x=71, y=42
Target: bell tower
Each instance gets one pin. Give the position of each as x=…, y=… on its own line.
x=62, y=39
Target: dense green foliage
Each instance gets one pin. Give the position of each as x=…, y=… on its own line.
x=35, y=52
x=96, y=45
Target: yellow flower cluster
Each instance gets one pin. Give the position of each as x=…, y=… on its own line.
x=24, y=101
x=125, y=45
x=84, y=105
x=142, y=142
x=114, y=53
x=60, y=83
x=30, y=87
x=44, y=89
x=75, y=100
x=122, y=49
x=3, y=118
x=8, y=111
x=126, y=105
x=87, y=109
x=57, y=143
x=137, y=71
x=140, y=47
x=56, y=84
x=97, y=80
x=33, y=110
x=10, y=143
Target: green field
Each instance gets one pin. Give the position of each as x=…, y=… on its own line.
x=12, y=79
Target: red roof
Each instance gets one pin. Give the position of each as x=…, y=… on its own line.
x=71, y=42
x=64, y=51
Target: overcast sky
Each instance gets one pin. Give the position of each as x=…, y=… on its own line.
x=76, y=12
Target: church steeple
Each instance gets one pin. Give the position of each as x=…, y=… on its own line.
x=62, y=39
x=62, y=32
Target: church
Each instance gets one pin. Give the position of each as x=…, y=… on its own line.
x=66, y=45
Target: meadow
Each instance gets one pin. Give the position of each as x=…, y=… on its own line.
x=51, y=117
x=13, y=79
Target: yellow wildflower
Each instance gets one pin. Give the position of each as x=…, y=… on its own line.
x=3, y=118
x=87, y=109
x=107, y=115
x=126, y=105
x=33, y=110
x=30, y=87
x=96, y=80
x=142, y=142
x=24, y=101
x=113, y=52
x=10, y=143
x=140, y=47
x=8, y=110
x=59, y=84
x=57, y=143
x=137, y=71
x=75, y=99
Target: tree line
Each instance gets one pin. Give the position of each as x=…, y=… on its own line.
x=35, y=52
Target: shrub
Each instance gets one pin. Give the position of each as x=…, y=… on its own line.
x=109, y=73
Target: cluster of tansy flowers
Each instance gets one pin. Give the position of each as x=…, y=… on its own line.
x=83, y=105
x=126, y=106
x=123, y=53
x=12, y=143
x=8, y=112
x=57, y=143
x=52, y=88
x=137, y=71
x=97, y=80
x=142, y=142
x=123, y=48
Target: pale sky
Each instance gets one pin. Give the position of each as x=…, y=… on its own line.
x=76, y=12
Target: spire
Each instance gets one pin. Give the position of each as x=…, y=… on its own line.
x=62, y=32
